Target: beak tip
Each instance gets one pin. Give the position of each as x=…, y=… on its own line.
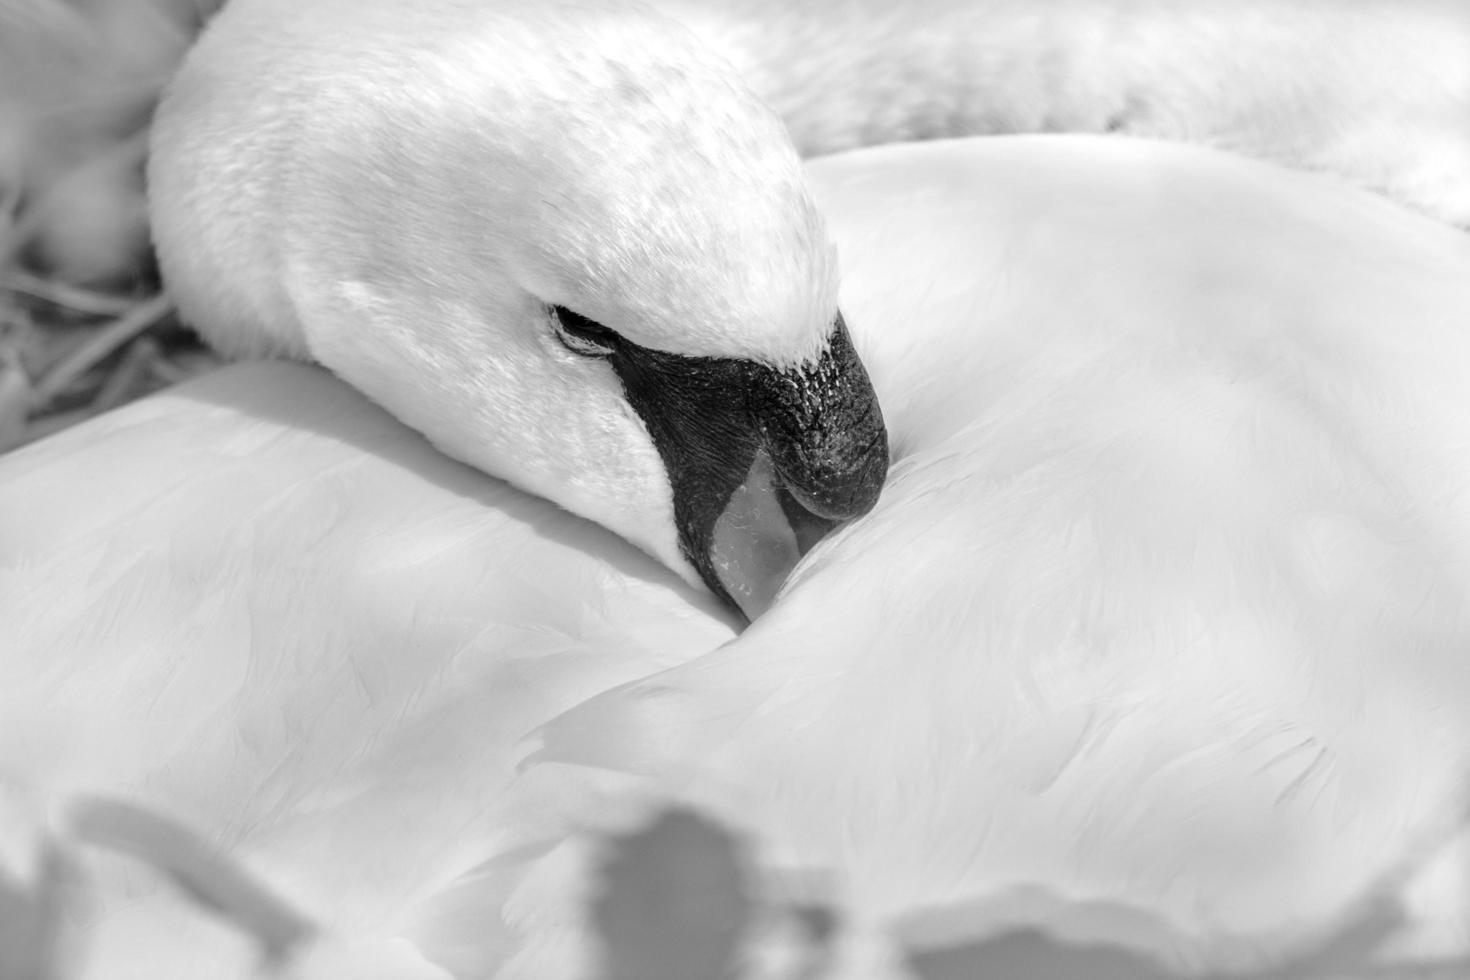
x=844, y=491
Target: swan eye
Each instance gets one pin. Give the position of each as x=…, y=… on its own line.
x=581, y=335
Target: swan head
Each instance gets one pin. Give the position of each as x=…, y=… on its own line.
x=570, y=246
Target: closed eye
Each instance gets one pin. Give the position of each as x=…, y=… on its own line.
x=582, y=336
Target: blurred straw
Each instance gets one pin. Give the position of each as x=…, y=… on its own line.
x=15, y=398
x=127, y=152
x=82, y=329
x=107, y=341
x=61, y=294
x=131, y=368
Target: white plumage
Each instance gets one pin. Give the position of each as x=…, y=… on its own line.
x=1158, y=610
x=1154, y=639
x=403, y=193
x=1376, y=94
x=1161, y=608
x=262, y=606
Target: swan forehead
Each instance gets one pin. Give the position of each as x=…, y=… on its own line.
x=655, y=193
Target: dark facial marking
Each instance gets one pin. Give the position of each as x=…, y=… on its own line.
x=695, y=412
x=708, y=416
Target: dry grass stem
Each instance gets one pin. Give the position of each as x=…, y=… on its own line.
x=98, y=348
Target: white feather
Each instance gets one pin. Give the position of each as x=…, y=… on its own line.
x=1160, y=613
x=1158, y=622
x=1162, y=606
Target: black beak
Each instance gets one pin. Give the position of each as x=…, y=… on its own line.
x=763, y=462
x=824, y=430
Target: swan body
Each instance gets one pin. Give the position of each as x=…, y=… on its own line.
x=271, y=612
x=1157, y=633
x=567, y=246
x=1153, y=642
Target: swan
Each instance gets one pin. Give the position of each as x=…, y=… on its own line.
x=1157, y=633
x=931, y=303
x=565, y=244
x=299, y=164
x=1152, y=641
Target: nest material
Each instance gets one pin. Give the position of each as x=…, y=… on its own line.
x=69, y=352
x=83, y=325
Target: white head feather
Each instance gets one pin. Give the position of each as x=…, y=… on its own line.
x=402, y=191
